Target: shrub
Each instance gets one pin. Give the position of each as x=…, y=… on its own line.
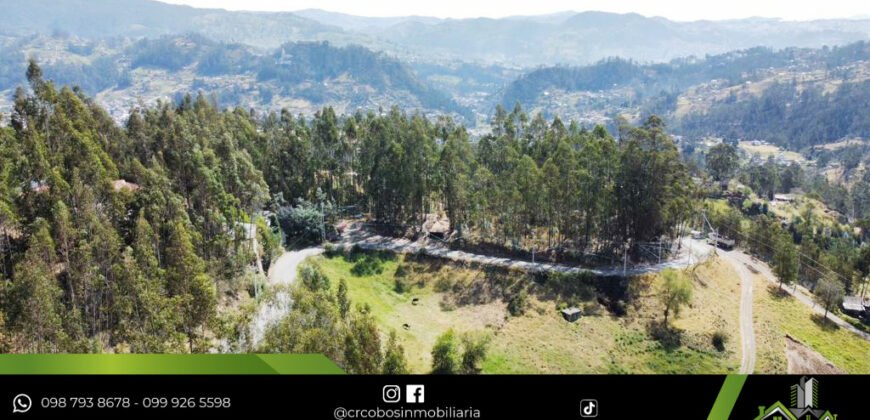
x=301, y=224
x=720, y=338
x=591, y=308
x=445, y=354
x=519, y=303
x=443, y=284
x=330, y=250
x=402, y=270
x=313, y=278
x=474, y=349
x=401, y=286
x=367, y=265
x=447, y=304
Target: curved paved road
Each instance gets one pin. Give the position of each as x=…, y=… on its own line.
x=283, y=270
x=692, y=252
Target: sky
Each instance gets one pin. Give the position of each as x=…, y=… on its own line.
x=681, y=10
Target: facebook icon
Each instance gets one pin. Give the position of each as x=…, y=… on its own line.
x=414, y=394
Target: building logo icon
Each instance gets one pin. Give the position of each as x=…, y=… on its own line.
x=804, y=404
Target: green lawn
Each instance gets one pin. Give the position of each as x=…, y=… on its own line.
x=540, y=341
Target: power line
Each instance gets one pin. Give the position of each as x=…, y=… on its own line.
x=803, y=256
x=800, y=254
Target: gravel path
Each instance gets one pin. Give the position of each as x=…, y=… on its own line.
x=798, y=292
x=747, y=331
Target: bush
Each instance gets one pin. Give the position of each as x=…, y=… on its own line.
x=330, y=250
x=443, y=284
x=367, y=265
x=720, y=338
x=518, y=304
x=591, y=309
x=619, y=308
x=401, y=286
x=313, y=278
x=445, y=354
x=402, y=271
x=301, y=224
x=249, y=281
x=447, y=304
x=474, y=349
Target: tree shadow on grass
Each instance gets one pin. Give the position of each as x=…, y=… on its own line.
x=357, y=253
x=861, y=324
x=669, y=337
x=776, y=293
x=423, y=263
x=824, y=323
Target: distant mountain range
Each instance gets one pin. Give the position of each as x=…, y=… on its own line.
x=301, y=77
x=146, y=18
x=562, y=38
x=793, y=97
x=705, y=78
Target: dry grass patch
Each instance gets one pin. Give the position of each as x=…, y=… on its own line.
x=436, y=296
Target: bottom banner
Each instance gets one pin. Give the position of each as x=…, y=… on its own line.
x=343, y=397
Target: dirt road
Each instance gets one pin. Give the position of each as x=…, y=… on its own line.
x=747, y=331
x=798, y=292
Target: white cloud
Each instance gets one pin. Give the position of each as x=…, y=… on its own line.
x=672, y=9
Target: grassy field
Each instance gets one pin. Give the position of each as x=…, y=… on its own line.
x=767, y=150
x=804, y=205
x=777, y=315
x=541, y=341
x=425, y=320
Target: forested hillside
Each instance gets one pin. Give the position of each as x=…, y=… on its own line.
x=119, y=236
x=301, y=76
x=791, y=97
x=131, y=238
x=321, y=63
x=678, y=74
x=790, y=115
x=698, y=96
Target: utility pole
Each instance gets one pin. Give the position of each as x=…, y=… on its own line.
x=690, y=252
x=660, y=251
x=712, y=229
x=863, y=288
x=322, y=226
x=625, y=259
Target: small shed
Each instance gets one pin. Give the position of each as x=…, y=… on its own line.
x=436, y=226
x=571, y=314
x=855, y=305
x=721, y=241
